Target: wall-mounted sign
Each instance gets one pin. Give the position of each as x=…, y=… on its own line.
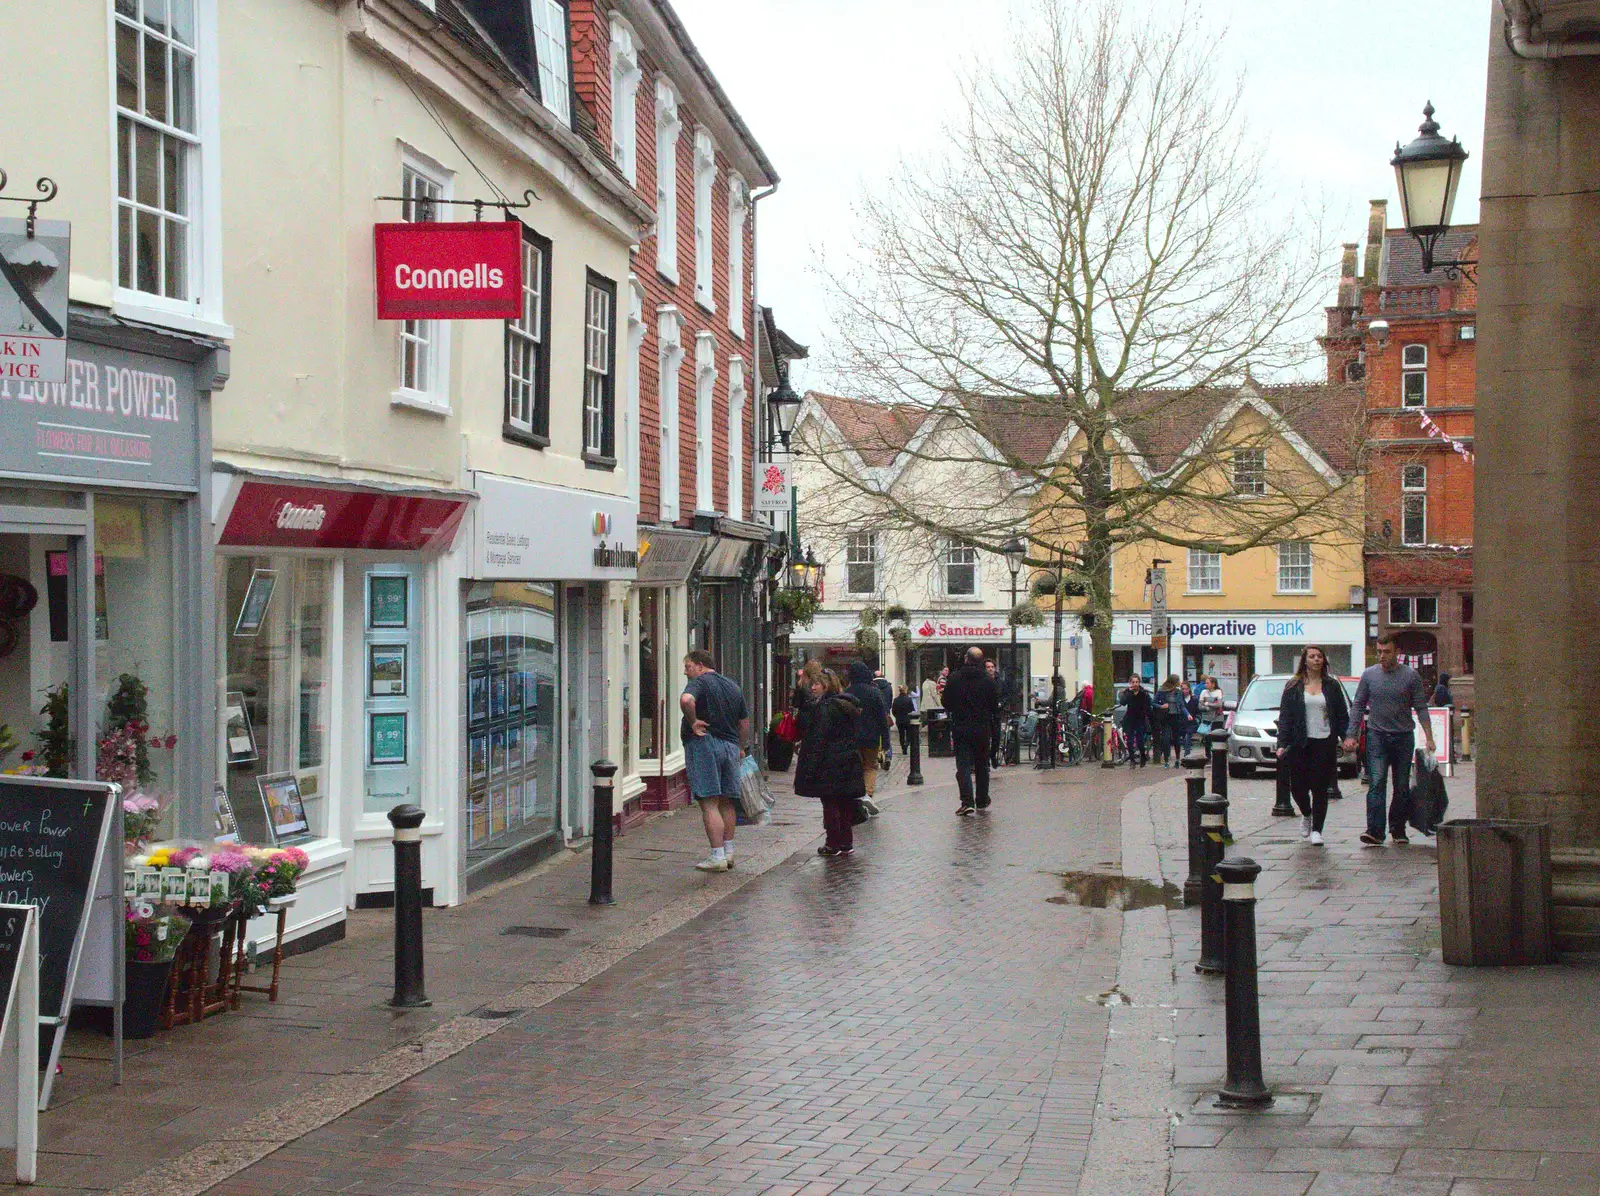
x=522, y=530
x=449, y=271
x=667, y=555
x=772, y=490
x=33, y=299
x=937, y=629
x=281, y=515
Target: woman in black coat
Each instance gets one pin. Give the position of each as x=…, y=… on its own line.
x=829, y=766
x=1312, y=719
x=904, y=711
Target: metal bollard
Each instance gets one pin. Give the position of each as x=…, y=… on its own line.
x=604, y=834
x=1214, y=830
x=1191, y=883
x=1282, y=807
x=914, y=776
x=1219, y=762
x=408, y=987
x=1245, y=1087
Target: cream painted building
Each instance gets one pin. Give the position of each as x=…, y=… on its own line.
x=406, y=544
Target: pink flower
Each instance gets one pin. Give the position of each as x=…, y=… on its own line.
x=183, y=855
x=28, y=755
x=230, y=861
x=171, y=742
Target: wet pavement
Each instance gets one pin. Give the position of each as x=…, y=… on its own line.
x=918, y=1018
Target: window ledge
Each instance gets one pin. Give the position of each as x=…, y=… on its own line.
x=599, y=461
x=705, y=303
x=667, y=277
x=1293, y=593
x=147, y=313
x=418, y=402
x=1202, y=593
x=524, y=437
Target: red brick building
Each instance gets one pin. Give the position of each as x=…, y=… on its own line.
x=1411, y=338
x=694, y=418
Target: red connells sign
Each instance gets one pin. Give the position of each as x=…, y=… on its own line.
x=270, y=514
x=449, y=271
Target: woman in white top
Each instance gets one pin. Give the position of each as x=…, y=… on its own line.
x=1312, y=719
x=1211, y=702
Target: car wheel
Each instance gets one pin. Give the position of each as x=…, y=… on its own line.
x=1241, y=772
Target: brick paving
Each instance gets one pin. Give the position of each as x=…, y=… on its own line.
x=915, y=1019
x=1395, y=1073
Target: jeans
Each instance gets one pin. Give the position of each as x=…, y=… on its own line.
x=1388, y=751
x=1138, y=740
x=1311, y=769
x=837, y=816
x=972, y=757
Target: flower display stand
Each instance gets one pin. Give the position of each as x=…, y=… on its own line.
x=192, y=995
x=280, y=905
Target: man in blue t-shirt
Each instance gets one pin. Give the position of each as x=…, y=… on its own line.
x=716, y=726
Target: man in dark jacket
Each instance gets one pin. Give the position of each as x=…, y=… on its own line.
x=1136, y=721
x=971, y=697
x=872, y=724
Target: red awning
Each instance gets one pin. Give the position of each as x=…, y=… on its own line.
x=282, y=515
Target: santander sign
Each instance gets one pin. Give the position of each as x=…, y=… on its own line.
x=930, y=629
x=449, y=270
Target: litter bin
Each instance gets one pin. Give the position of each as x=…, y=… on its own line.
x=1494, y=892
x=939, y=741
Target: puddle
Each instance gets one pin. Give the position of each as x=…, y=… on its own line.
x=1104, y=890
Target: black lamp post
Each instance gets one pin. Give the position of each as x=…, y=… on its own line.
x=1015, y=551
x=1428, y=171
x=784, y=406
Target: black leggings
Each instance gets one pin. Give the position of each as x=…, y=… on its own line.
x=1311, y=772
x=905, y=737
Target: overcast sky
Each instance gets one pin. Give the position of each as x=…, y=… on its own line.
x=836, y=91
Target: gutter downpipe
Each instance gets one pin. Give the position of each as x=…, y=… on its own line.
x=1519, y=36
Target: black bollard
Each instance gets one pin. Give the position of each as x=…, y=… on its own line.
x=1245, y=1087
x=1191, y=883
x=1219, y=762
x=604, y=834
x=1282, y=807
x=914, y=776
x=408, y=987
x=1214, y=830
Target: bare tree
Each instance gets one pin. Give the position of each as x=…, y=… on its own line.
x=1081, y=289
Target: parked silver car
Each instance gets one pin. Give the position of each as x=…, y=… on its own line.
x=1253, y=737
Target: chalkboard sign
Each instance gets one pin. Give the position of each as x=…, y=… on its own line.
x=13, y=921
x=52, y=839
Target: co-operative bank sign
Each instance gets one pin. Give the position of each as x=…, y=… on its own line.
x=1221, y=629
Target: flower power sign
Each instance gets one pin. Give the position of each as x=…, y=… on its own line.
x=449, y=271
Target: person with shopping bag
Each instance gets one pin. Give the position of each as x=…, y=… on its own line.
x=829, y=765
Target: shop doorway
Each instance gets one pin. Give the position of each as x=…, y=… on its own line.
x=1420, y=650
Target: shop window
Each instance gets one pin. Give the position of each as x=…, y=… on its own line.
x=1205, y=572
x=510, y=705
x=625, y=77
x=275, y=616
x=1294, y=567
x=1121, y=666
x=705, y=177
x=422, y=342
x=656, y=721
x=861, y=563
x=1413, y=505
x=960, y=566
x=527, y=346
x=600, y=370
x=1250, y=471
x=1414, y=376
x=392, y=709
x=158, y=149
x=1286, y=658
x=669, y=125
x=550, y=49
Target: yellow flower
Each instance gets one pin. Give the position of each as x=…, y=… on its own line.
x=159, y=859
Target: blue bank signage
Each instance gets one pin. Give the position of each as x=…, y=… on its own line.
x=1242, y=629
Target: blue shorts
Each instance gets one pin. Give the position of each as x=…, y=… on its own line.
x=713, y=766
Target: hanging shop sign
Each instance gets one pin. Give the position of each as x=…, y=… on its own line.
x=772, y=486
x=667, y=555
x=279, y=515
x=34, y=261
x=449, y=271
x=522, y=531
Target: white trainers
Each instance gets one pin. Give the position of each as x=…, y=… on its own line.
x=709, y=865
x=1305, y=827
x=1315, y=838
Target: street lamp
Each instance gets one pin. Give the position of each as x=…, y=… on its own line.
x=784, y=406
x=805, y=572
x=1015, y=551
x=1428, y=171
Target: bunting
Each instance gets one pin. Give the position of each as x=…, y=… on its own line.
x=1438, y=433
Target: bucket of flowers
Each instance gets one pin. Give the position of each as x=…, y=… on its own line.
x=153, y=935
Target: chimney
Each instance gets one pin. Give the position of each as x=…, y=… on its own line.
x=1348, y=295
x=1377, y=225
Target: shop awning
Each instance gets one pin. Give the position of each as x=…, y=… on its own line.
x=274, y=512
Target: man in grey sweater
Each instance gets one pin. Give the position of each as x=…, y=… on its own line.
x=1388, y=693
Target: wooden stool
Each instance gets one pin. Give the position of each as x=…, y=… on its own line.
x=191, y=996
x=281, y=904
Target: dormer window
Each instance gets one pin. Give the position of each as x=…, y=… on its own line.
x=550, y=47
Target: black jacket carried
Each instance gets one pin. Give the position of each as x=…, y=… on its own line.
x=829, y=764
x=904, y=709
x=971, y=696
x=872, y=724
x=1292, y=713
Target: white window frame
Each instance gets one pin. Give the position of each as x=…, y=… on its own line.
x=626, y=75
x=705, y=179
x=599, y=366
x=705, y=397
x=553, y=62
x=201, y=311
x=525, y=336
x=434, y=396
x=1249, y=473
x=1413, y=497
x=628, y=442
x=1296, y=561
x=1416, y=609
x=738, y=214
x=736, y=402
x=1414, y=369
x=958, y=556
x=669, y=124
x=669, y=337
x=1204, y=572
x=862, y=549
x=1409, y=610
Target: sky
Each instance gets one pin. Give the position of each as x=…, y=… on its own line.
x=837, y=91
